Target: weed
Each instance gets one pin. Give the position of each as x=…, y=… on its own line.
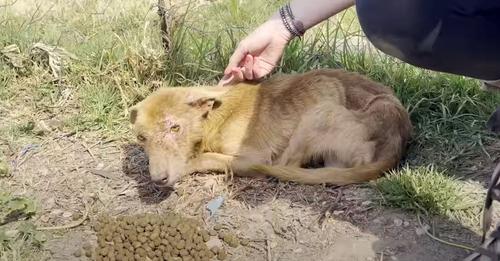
x=425, y=189
x=15, y=208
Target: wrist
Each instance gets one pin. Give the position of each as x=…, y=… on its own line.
x=279, y=27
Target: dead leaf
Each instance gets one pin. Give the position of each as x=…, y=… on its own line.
x=12, y=54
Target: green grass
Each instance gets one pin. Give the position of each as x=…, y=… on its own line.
x=428, y=191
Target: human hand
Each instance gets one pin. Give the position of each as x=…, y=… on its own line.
x=257, y=54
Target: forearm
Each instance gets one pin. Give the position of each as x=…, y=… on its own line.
x=312, y=12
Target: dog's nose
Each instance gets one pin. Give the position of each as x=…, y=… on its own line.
x=160, y=182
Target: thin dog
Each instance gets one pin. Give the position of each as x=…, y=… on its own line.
x=324, y=126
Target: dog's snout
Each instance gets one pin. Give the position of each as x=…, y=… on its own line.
x=160, y=181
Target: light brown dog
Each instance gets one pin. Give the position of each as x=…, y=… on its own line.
x=351, y=126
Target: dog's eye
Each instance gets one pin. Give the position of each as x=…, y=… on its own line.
x=175, y=128
x=141, y=138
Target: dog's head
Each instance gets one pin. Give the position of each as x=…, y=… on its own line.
x=168, y=125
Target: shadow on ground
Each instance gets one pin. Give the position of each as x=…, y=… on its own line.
x=135, y=165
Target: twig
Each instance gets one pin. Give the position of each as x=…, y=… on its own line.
x=441, y=240
x=88, y=150
x=124, y=99
x=484, y=149
x=164, y=25
x=268, y=248
x=70, y=225
x=382, y=256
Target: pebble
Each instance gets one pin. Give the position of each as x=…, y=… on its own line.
x=398, y=222
x=366, y=203
x=420, y=231
x=78, y=253
x=338, y=212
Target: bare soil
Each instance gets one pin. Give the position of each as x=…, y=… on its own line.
x=283, y=221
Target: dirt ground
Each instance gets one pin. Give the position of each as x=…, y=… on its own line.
x=66, y=174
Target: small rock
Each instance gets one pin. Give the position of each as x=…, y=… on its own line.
x=273, y=244
x=49, y=203
x=44, y=218
x=298, y=250
x=420, y=231
x=67, y=214
x=398, y=222
x=366, y=203
x=78, y=253
x=100, y=166
x=338, y=212
x=406, y=224
x=50, y=125
x=56, y=212
x=214, y=242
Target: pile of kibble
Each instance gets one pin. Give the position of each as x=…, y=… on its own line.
x=157, y=237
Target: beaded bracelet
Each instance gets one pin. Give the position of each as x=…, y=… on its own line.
x=295, y=27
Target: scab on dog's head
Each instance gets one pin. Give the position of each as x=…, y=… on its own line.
x=168, y=125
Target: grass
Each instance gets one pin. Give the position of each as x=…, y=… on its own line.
x=120, y=60
x=429, y=191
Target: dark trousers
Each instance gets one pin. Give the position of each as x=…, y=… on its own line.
x=454, y=36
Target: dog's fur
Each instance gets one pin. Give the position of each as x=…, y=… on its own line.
x=354, y=127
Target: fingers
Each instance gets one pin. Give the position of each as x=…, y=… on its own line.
x=226, y=80
x=236, y=58
x=238, y=74
x=235, y=76
x=248, y=65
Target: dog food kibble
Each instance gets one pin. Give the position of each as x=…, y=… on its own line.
x=155, y=237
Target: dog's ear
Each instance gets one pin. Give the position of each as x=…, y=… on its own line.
x=133, y=114
x=205, y=104
x=493, y=123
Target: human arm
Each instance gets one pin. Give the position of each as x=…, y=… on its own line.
x=257, y=54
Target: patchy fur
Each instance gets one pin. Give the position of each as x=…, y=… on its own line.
x=354, y=129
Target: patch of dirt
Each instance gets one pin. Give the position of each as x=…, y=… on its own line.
x=282, y=221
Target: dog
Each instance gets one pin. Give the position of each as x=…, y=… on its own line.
x=326, y=126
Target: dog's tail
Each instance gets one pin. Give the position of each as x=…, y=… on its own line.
x=328, y=175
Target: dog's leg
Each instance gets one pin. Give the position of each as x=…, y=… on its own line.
x=247, y=158
x=210, y=161
x=333, y=133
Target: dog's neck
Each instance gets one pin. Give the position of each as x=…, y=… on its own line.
x=234, y=103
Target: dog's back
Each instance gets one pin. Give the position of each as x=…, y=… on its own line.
x=284, y=101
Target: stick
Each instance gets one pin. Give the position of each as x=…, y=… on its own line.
x=268, y=247
x=164, y=27
x=441, y=240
